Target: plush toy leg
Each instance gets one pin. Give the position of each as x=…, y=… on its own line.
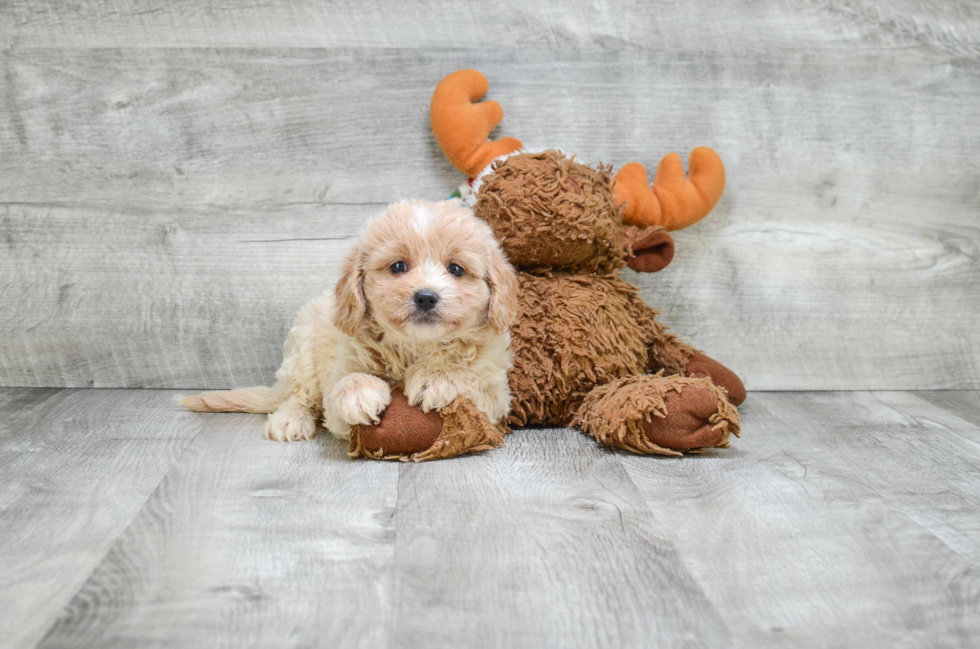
x=670, y=354
x=408, y=434
x=658, y=415
x=702, y=365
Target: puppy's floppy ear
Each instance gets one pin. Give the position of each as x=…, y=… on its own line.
x=350, y=305
x=502, y=281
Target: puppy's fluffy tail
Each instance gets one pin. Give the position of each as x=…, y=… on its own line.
x=257, y=399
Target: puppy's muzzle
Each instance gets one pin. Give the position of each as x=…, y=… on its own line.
x=425, y=300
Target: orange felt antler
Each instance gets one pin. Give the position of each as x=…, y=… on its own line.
x=462, y=128
x=675, y=201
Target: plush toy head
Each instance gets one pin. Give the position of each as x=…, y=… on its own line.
x=551, y=213
x=674, y=200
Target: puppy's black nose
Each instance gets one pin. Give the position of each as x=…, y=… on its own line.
x=426, y=300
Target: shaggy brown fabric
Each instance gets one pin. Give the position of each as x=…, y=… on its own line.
x=574, y=332
x=702, y=365
x=459, y=428
x=690, y=413
x=587, y=349
x=549, y=211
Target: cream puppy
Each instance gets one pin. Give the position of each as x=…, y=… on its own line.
x=424, y=303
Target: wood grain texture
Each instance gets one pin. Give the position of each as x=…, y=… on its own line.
x=186, y=298
x=713, y=25
x=963, y=403
x=544, y=543
x=843, y=255
x=843, y=516
x=253, y=543
x=850, y=516
x=247, y=542
x=76, y=467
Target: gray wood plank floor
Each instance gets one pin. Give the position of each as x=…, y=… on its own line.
x=840, y=519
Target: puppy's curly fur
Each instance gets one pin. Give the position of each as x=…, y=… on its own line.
x=424, y=304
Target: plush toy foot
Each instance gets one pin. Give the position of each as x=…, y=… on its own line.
x=706, y=367
x=659, y=415
x=407, y=433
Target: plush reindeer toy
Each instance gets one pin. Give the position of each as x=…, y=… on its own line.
x=588, y=352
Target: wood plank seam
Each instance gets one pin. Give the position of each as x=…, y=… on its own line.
x=123, y=529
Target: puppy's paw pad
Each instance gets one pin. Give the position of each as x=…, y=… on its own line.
x=362, y=401
x=290, y=428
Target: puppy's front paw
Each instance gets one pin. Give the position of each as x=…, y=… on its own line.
x=432, y=393
x=290, y=425
x=360, y=399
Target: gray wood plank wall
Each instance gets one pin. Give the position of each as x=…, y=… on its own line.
x=176, y=178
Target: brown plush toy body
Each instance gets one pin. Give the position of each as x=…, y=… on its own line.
x=588, y=352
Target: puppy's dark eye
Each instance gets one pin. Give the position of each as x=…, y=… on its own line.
x=455, y=270
x=398, y=267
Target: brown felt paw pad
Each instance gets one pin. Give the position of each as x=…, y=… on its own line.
x=406, y=433
x=687, y=424
x=706, y=367
x=403, y=429
x=658, y=415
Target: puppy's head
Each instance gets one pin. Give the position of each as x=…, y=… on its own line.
x=426, y=271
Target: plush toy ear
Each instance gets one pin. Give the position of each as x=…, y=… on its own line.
x=502, y=281
x=652, y=250
x=350, y=305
